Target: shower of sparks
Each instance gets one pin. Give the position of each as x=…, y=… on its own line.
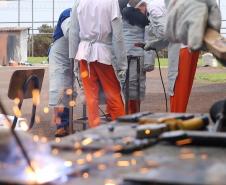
x=81, y=161
x=123, y=163
x=55, y=151
x=87, y=141
x=17, y=111
x=24, y=125
x=16, y=101
x=101, y=167
x=44, y=140
x=35, y=138
x=37, y=119
x=46, y=110
x=84, y=74
x=72, y=103
x=68, y=163
x=85, y=175
x=57, y=140
x=36, y=97
x=110, y=182
x=69, y=92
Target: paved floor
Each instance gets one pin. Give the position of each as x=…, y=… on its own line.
x=203, y=96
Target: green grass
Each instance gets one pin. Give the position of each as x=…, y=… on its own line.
x=37, y=60
x=214, y=77
x=164, y=62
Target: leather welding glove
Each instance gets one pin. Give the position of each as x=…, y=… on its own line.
x=148, y=68
x=187, y=20
x=122, y=77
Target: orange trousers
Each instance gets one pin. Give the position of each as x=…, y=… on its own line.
x=183, y=85
x=133, y=106
x=101, y=74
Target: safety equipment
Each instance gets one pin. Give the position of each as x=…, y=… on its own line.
x=148, y=68
x=122, y=77
x=187, y=21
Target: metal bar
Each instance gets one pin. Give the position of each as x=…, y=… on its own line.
x=138, y=84
x=71, y=129
x=53, y=13
x=18, y=12
x=14, y=22
x=127, y=86
x=32, y=20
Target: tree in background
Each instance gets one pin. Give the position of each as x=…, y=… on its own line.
x=42, y=40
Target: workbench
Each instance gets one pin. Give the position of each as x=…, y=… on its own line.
x=158, y=163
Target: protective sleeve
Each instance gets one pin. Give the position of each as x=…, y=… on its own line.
x=118, y=44
x=65, y=27
x=156, y=30
x=74, y=30
x=149, y=56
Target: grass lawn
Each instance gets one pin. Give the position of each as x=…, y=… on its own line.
x=164, y=62
x=36, y=60
x=213, y=77
x=39, y=60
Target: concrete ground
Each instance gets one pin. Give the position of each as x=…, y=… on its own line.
x=204, y=94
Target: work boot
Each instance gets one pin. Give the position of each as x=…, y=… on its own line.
x=63, y=127
x=61, y=132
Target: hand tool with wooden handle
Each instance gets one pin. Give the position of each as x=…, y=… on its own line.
x=199, y=123
x=216, y=44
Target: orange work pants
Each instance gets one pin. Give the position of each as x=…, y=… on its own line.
x=134, y=106
x=103, y=74
x=183, y=85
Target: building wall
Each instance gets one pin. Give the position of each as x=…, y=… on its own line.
x=13, y=46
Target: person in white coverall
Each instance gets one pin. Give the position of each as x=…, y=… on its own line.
x=135, y=21
x=95, y=38
x=182, y=61
x=60, y=78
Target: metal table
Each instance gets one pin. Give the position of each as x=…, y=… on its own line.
x=160, y=163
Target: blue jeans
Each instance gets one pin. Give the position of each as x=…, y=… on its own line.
x=64, y=116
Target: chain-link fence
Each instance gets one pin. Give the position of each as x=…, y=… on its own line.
x=33, y=14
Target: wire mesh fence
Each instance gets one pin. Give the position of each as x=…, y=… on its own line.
x=35, y=13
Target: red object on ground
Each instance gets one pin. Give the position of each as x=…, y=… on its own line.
x=94, y=75
x=183, y=85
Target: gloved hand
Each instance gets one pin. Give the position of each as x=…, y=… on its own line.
x=188, y=19
x=156, y=44
x=148, y=68
x=122, y=77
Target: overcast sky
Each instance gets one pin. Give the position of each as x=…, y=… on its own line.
x=43, y=11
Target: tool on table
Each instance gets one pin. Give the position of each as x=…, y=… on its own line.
x=203, y=138
x=133, y=117
x=155, y=129
x=148, y=120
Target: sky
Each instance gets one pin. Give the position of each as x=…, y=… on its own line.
x=43, y=11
